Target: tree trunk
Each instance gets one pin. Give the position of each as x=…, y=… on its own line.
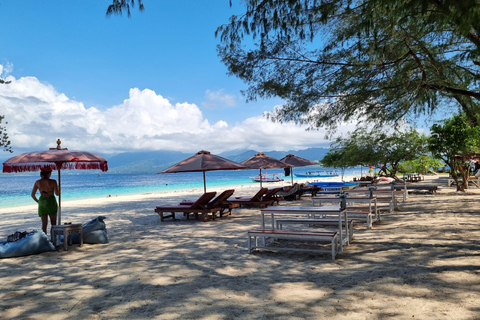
x=454, y=173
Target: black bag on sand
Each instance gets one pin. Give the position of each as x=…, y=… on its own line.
x=94, y=231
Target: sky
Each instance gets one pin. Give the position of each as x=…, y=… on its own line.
x=110, y=85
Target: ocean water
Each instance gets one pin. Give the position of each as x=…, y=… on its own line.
x=15, y=188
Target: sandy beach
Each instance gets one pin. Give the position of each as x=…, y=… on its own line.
x=420, y=262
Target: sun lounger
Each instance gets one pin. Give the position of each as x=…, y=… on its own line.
x=199, y=207
x=308, y=189
x=272, y=194
x=220, y=203
x=289, y=193
x=256, y=200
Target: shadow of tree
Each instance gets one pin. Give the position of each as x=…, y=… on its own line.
x=419, y=261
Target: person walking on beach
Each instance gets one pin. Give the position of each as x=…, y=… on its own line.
x=47, y=204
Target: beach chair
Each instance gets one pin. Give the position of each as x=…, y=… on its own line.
x=221, y=203
x=199, y=207
x=307, y=189
x=272, y=194
x=256, y=200
x=289, y=193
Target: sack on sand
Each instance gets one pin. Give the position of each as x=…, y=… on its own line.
x=33, y=243
x=94, y=231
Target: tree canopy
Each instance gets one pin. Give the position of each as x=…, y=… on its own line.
x=452, y=141
x=376, y=147
x=119, y=6
x=376, y=60
x=4, y=140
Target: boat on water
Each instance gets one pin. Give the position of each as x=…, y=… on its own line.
x=267, y=178
x=317, y=174
x=334, y=186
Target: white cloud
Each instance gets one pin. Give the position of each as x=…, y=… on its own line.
x=218, y=99
x=38, y=115
x=6, y=69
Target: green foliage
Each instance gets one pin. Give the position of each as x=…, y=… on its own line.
x=451, y=141
x=455, y=136
x=4, y=140
x=118, y=6
x=424, y=165
x=376, y=61
x=376, y=147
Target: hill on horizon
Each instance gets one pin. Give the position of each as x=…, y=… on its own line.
x=155, y=161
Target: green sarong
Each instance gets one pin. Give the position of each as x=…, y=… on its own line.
x=47, y=205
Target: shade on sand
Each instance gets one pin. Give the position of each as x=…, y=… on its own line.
x=262, y=161
x=55, y=159
x=204, y=161
x=295, y=161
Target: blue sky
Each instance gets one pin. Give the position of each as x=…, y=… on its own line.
x=149, y=82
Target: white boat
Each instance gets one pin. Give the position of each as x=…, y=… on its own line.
x=267, y=178
x=317, y=174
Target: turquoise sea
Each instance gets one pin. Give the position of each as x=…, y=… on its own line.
x=15, y=188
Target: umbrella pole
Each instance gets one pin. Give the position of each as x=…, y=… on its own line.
x=204, y=183
x=260, y=178
x=59, y=199
x=291, y=173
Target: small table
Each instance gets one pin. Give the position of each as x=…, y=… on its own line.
x=67, y=230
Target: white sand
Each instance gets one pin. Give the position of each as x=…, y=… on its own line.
x=421, y=262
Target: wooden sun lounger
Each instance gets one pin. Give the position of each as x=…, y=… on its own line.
x=256, y=200
x=289, y=192
x=328, y=237
x=221, y=203
x=198, y=208
x=272, y=195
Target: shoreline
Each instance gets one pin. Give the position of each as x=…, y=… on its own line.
x=162, y=194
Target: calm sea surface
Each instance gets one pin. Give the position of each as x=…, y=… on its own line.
x=15, y=188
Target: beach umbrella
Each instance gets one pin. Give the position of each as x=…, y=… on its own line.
x=296, y=161
x=262, y=161
x=204, y=161
x=55, y=159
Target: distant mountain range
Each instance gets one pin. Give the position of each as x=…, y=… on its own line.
x=154, y=161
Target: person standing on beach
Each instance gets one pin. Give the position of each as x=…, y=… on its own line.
x=47, y=204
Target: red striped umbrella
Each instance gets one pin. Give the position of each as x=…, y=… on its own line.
x=55, y=159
